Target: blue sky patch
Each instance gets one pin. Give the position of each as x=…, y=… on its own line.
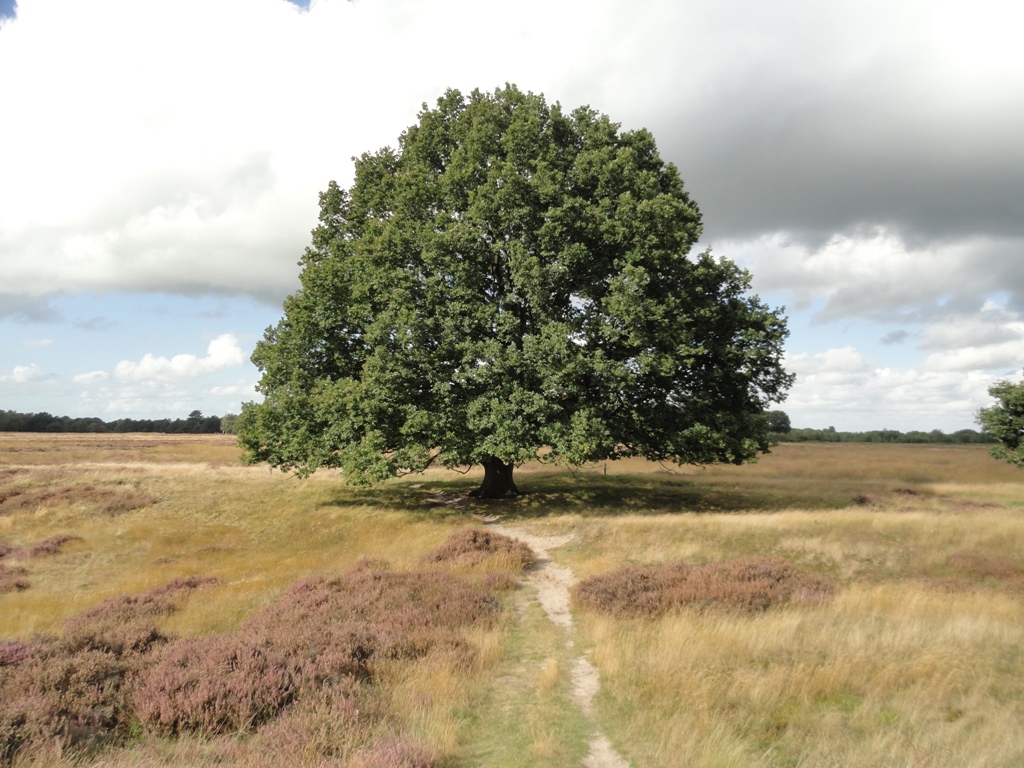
x=8, y=8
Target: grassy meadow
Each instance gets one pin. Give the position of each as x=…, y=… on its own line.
x=915, y=659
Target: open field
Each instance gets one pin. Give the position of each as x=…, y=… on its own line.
x=915, y=658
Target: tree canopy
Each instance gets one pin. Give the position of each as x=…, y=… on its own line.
x=778, y=422
x=1005, y=421
x=513, y=277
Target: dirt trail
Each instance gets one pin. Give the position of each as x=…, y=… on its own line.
x=552, y=582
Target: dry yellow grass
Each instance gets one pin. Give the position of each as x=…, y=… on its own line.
x=917, y=661
x=548, y=675
x=256, y=531
x=886, y=675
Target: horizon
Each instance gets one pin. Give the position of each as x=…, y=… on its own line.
x=204, y=416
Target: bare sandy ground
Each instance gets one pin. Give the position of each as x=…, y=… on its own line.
x=552, y=582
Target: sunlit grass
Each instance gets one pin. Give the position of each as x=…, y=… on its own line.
x=883, y=676
x=916, y=661
x=257, y=532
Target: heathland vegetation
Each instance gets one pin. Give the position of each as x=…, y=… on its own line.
x=833, y=604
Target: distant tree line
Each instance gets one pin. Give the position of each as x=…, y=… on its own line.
x=778, y=424
x=830, y=435
x=195, y=424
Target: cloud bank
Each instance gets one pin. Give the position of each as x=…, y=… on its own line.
x=179, y=146
x=223, y=352
x=844, y=388
x=156, y=384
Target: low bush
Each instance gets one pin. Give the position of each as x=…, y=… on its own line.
x=12, y=579
x=986, y=567
x=107, y=499
x=301, y=669
x=321, y=633
x=216, y=685
x=126, y=624
x=53, y=696
x=746, y=584
x=74, y=690
x=471, y=546
x=12, y=652
x=8, y=472
x=330, y=724
x=50, y=546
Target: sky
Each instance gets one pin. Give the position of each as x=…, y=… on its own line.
x=160, y=164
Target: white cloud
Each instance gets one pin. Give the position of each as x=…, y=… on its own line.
x=992, y=326
x=200, y=173
x=159, y=399
x=1008, y=355
x=36, y=343
x=223, y=352
x=878, y=275
x=245, y=389
x=24, y=374
x=992, y=339
x=844, y=388
x=93, y=377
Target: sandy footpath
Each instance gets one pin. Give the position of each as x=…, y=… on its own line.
x=552, y=582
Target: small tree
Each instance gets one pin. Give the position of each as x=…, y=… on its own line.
x=513, y=278
x=778, y=422
x=1005, y=421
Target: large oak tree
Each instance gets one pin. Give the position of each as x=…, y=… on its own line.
x=511, y=278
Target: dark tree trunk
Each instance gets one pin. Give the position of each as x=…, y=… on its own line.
x=498, y=482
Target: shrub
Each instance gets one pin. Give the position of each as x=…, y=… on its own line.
x=111, y=500
x=8, y=472
x=747, y=584
x=471, y=546
x=986, y=567
x=322, y=633
x=117, y=501
x=330, y=723
x=498, y=582
x=125, y=624
x=73, y=691
x=13, y=579
x=301, y=667
x=50, y=546
x=1006, y=573
x=216, y=685
x=12, y=652
x=52, y=695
